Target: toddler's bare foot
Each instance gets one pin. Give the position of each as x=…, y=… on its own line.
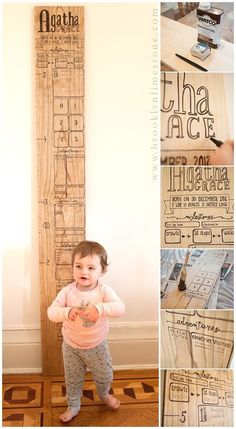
x=69, y=414
x=112, y=402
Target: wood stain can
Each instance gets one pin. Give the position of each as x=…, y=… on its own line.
x=209, y=24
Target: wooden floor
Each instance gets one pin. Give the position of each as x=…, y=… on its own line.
x=34, y=400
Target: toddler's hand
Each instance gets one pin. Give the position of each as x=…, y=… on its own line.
x=73, y=313
x=91, y=313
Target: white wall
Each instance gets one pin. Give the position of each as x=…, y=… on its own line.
x=121, y=194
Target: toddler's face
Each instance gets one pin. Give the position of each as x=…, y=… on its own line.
x=87, y=270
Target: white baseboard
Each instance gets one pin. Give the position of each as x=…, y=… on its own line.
x=22, y=371
x=133, y=346
x=115, y=367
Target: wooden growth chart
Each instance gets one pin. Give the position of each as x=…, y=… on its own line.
x=201, y=280
x=59, y=64
x=197, y=206
x=197, y=338
x=198, y=398
x=194, y=108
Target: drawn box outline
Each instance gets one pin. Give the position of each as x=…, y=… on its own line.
x=66, y=118
x=217, y=338
x=66, y=250
x=60, y=100
x=59, y=236
x=208, y=406
x=61, y=59
x=205, y=290
x=64, y=158
x=189, y=378
x=63, y=78
x=196, y=195
x=172, y=229
x=222, y=232
x=210, y=403
x=191, y=341
x=69, y=101
x=182, y=221
x=176, y=400
x=201, y=242
x=208, y=282
x=193, y=289
x=68, y=137
x=58, y=273
x=72, y=117
x=57, y=135
x=232, y=396
x=182, y=330
x=40, y=61
x=80, y=205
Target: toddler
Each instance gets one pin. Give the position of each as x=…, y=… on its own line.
x=83, y=306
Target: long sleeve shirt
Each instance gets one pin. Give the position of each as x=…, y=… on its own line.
x=81, y=333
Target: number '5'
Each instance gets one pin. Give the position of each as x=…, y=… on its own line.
x=183, y=416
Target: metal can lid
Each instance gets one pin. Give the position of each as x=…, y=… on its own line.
x=204, y=5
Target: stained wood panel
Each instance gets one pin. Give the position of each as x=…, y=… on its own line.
x=197, y=206
x=59, y=66
x=193, y=108
x=198, y=398
x=202, y=277
x=196, y=338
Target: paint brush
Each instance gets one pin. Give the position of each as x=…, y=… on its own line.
x=183, y=273
x=218, y=143
x=191, y=62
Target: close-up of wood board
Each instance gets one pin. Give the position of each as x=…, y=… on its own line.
x=202, y=278
x=197, y=398
x=197, y=206
x=177, y=37
x=194, y=108
x=59, y=66
x=197, y=338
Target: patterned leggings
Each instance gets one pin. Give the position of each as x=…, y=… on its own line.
x=76, y=362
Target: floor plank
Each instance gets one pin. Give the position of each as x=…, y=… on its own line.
x=37, y=401
x=126, y=415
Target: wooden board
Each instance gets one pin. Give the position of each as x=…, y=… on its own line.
x=59, y=65
x=177, y=38
x=202, y=278
x=197, y=206
x=196, y=338
x=194, y=107
x=198, y=398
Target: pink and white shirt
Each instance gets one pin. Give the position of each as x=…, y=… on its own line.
x=81, y=333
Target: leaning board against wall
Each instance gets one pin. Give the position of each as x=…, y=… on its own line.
x=59, y=66
x=194, y=108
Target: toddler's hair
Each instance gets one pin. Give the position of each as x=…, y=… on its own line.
x=86, y=248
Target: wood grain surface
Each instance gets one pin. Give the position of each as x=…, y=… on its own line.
x=198, y=398
x=59, y=67
x=197, y=338
x=179, y=38
x=194, y=108
x=197, y=206
x=202, y=277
